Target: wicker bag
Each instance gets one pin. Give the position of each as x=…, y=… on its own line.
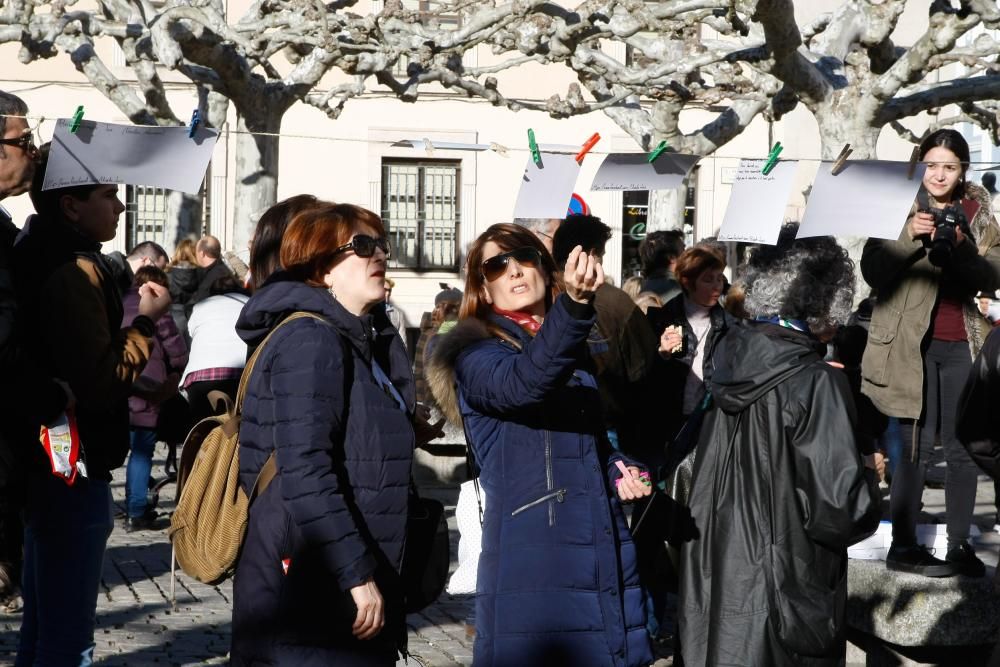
x=210, y=522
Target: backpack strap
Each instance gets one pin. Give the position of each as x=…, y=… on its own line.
x=270, y=467
x=248, y=369
x=264, y=477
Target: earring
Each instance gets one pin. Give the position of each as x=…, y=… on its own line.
x=332, y=293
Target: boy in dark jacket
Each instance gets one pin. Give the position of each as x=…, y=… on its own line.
x=73, y=311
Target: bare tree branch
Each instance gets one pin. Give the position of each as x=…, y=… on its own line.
x=949, y=92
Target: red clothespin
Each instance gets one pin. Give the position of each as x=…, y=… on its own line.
x=590, y=143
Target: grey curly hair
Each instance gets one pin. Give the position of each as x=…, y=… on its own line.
x=803, y=279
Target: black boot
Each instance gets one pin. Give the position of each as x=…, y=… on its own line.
x=964, y=557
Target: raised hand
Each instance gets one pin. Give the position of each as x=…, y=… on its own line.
x=582, y=276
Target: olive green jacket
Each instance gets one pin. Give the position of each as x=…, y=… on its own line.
x=907, y=285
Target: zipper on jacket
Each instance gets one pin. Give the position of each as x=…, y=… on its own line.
x=548, y=476
x=559, y=495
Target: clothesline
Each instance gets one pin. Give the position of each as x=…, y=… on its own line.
x=492, y=146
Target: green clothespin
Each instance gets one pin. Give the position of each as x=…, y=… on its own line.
x=77, y=119
x=658, y=151
x=536, y=155
x=772, y=159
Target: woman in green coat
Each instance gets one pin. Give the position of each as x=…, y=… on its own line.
x=924, y=333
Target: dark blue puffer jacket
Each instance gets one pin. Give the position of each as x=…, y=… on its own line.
x=336, y=512
x=557, y=581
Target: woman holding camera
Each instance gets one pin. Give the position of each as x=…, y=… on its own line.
x=924, y=333
x=557, y=582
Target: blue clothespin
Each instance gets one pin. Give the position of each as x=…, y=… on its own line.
x=195, y=119
x=772, y=159
x=536, y=155
x=658, y=151
x=77, y=119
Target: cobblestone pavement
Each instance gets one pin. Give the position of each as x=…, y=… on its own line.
x=139, y=623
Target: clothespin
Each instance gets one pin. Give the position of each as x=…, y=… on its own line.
x=590, y=143
x=772, y=159
x=499, y=149
x=913, y=162
x=536, y=155
x=658, y=151
x=428, y=146
x=838, y=164
x=77, y=119
x=195, y=119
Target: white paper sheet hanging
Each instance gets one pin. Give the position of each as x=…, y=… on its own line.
x=633, y=171
x=757, y=202
x=867, y=198
x=545, y=191
x=162, y=157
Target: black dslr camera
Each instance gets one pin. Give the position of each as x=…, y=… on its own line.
x=947, y=221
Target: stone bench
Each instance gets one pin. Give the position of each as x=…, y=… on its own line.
x=898, y=618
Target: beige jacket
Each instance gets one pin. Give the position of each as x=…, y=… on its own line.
x=907, y=285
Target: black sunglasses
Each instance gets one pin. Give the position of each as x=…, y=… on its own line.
x=26, y=142
x=495, y=266
x=364, y=246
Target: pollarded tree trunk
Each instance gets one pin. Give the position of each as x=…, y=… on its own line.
x=839, y=126
x=256, y=169
x=666, y=209
x=184, y=218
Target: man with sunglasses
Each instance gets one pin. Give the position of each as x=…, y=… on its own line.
x=23, y=388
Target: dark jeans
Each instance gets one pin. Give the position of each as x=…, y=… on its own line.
x=946, y=366
x=66, y=532
x=197, y=393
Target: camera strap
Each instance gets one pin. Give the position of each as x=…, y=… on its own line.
x=923, y=199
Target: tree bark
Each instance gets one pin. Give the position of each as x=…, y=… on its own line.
x=256, y=169
x=666, y=209
x=184, y=218
x=840, y=124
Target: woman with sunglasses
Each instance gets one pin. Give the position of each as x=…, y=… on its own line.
x=317, y=581
x=557, y=582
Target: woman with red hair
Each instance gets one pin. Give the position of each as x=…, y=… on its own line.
x=331, y=399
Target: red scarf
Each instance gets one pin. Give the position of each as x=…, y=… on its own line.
x=523, y=320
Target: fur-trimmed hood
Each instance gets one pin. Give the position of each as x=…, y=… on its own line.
x=983, y=225
x=440, y=369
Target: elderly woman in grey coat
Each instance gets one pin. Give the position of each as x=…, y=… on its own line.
x=779, y=488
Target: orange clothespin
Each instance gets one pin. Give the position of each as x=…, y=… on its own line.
x=590, y=143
